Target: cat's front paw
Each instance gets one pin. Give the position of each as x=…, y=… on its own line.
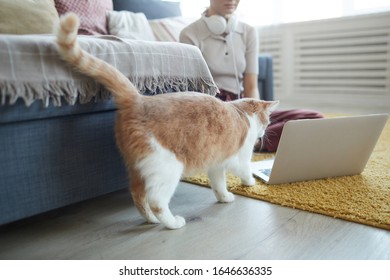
x=226, y=197
x=250, y=183
x=179, y=222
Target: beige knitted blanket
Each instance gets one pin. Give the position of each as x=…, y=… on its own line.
x=31, y=68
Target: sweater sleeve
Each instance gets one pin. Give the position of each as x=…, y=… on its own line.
x=187, y=36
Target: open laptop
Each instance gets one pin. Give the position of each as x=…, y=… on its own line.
x=322, y=148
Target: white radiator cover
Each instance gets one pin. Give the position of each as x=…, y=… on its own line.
x=340, y=59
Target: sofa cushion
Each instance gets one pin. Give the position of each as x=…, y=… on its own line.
x=92, y=14
x=153, y=9
x=27, y=17
x=168, y=29
x=129, y=25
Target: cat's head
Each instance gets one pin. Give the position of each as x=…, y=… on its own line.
x=259, y=108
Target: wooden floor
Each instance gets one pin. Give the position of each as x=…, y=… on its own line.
x=109, y=227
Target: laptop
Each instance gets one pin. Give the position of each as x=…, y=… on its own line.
x=321, y=148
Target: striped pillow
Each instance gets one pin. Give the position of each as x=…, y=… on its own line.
x=168, y=29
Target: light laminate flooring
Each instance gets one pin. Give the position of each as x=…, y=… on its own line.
x=109, y=227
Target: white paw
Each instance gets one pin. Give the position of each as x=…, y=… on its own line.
x=226, y=197
x=180, y=222
x=251, y=182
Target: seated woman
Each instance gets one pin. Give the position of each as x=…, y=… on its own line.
x=230, y=48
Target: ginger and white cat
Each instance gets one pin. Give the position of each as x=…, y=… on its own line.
x=165, y=137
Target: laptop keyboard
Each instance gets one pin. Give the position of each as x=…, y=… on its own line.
x=266, y=171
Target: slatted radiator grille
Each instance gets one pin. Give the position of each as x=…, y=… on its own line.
x=348, y=62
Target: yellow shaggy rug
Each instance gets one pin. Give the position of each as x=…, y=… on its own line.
x=363, y=198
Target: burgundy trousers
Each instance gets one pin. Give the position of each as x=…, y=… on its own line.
x=273, y=132
x=278, y=118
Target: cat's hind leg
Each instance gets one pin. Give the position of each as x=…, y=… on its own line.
x=138, y=193
x=159, y=204
x=162, y=172
x=217, y=178
x=159, y=195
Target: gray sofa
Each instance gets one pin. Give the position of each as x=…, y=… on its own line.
x=54, y=156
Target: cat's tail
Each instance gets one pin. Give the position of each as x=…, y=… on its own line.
x=123, y=90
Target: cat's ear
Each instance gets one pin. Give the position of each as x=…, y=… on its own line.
x=271, y=105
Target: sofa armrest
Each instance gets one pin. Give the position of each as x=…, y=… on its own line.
x=265, y=77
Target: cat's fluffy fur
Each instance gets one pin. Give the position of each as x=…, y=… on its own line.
x=165, y=137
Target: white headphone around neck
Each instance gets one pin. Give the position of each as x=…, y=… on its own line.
x=218, y=24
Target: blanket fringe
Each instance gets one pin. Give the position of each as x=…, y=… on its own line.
x=89, y=90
